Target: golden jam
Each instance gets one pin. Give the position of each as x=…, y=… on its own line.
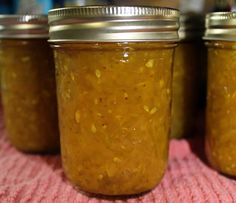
x=221, y=108
x=29, y=95
x=114, y=114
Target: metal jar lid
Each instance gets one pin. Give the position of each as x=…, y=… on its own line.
x=113, y=23
x=221, y=26
x=23, y=26
x=192, y=26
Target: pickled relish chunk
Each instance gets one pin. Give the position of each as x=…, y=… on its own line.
x=115, y=124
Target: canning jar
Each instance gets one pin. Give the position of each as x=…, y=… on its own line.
x=188, y=76
x=221, y=92
x=28, y=83
x=113, y=73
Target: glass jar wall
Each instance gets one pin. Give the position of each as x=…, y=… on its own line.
x=221, y=111
x=114, y=112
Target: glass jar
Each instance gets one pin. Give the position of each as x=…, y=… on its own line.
x=114, y=94
x=188, y=77
x=221, y=92
x=28, y=84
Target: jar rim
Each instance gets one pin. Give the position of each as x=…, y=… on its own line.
x=220, y=26
x=113, y=23
x=23, y=26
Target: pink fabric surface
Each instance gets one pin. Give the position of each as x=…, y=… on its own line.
x=34, y=178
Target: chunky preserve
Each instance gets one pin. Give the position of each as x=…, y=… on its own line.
x=114, y=110
x=221, y=109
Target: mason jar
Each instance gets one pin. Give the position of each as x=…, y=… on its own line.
x=113, y=73
x=188, y=99
x=28, y=83
x=221, y=92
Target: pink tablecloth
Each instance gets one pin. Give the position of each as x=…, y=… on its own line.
x=33, y=178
